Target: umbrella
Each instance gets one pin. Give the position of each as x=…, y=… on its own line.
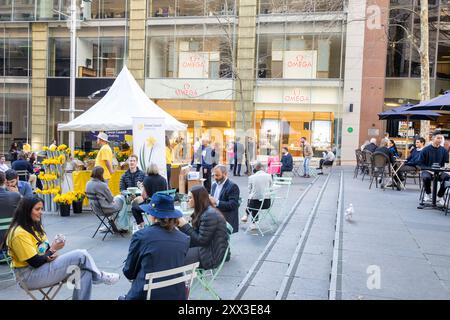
x=408, y=113
x=441, y=102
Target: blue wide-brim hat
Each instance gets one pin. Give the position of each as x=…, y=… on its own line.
x=161, y=207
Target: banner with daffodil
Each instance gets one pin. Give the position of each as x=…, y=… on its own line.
x=149, y=143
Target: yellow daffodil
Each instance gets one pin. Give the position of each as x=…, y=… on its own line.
x=62, y=147
x=150, y=141
x=52, y=148
x=44, y=148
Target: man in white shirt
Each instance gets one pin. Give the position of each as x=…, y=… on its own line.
x=328, y=159
x=3, y=166
x=258, y=185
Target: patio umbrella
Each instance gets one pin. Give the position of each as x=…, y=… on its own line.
x=441, y=103
x=407, y=113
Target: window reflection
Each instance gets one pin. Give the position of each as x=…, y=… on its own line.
x=191, y=8
x=5, y=10
x=24, y=10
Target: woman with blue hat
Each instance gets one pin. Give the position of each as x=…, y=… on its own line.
x=158, y=247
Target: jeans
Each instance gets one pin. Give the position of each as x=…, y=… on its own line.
x=324, y=162
x=253, y=206
x=169, y=174
x=122, y=220
x=53, y=272
x=306, y=166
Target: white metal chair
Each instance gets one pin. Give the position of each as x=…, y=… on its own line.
x=282, y=183
x=48, y=293
x=263, y=213
x=188, y=274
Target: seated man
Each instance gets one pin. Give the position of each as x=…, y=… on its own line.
x=328, y=159
x=22, y=164
x=3, y=166
x=372, y=146
x=287, y=163
x=412, y=161
x=430, y=155
x=258, y=184
x=8, y=202
x=129, y=179
x=14, y=185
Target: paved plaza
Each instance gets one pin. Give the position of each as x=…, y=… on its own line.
x=388, y=250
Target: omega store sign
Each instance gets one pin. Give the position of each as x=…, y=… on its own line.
x=297, y=95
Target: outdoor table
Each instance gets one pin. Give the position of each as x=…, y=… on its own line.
x=400, y=163
x=436, y=172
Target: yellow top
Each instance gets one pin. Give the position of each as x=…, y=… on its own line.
x=22, y=246
x=169, y=157
x=105, y=154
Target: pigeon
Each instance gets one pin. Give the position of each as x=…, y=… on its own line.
x=349, y=213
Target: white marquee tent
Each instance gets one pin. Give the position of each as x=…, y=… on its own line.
x=123, y=101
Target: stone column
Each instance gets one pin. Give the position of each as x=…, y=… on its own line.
x=136, y=51
x=39, y=85
x=246, y=51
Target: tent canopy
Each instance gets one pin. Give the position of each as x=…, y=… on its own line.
x=115, y=111
x=439, y=103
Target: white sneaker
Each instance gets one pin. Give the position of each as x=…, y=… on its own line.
x=244, y=218
x=110, y=278
x=440, y=201
x=427, y=198
x=252, y=227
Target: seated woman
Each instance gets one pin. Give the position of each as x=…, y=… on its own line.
x=37, y=264
x=393, y=148
x=98, y=186
x=153, y=183
x=158, y=247
x=209, y=236
x=273, y=163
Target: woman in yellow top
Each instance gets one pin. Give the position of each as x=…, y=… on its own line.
x=37, y=264
x=105, y=156
x=169, y=160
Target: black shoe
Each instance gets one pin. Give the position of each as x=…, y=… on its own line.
x=319, y=172
x=228, y=256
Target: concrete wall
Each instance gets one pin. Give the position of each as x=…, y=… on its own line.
x=136, y=50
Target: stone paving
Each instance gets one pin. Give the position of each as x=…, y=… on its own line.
x=409, y=247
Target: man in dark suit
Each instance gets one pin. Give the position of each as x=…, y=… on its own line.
x=287, y=163
x=225, y=196
x=8, y=202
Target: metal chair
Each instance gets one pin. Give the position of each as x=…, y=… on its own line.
x=380, y=162
x=188, y=273
x=359, y=162
x=205, y=278
x=4, y=257
x=48, y=292
x=263, y=213
x=94, y=202
x=415, y=175
x=366, y=163
x=446, y=197
x=171, y=192
x=23, y=175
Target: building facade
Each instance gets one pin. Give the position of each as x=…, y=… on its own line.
x=273, y=70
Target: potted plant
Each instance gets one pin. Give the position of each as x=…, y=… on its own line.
x=64, y=201
x=77, y=204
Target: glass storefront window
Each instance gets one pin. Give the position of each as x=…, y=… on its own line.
x=191, y=8
x=105, y=9
x=96, y=57
x=189, y=57
x=47, y=9
x=299, y=57
x=5, y=10
x=15, y=104
x=277, y=129
x=299, y=6
x=15, y=56
x=443, y=61
x=23, y=10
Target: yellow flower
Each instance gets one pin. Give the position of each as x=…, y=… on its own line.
x=116, y=149
x=52, y=148
x=44, y=148
x=150, y=141
x=62, y=147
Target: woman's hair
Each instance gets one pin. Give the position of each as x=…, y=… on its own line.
x=97, y=173
x=383, y=143
x=152, y=169
x=22, y=218
x=167, y=142
x=201, y=204
x=168, y=223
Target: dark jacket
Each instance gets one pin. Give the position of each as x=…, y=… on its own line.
x=287, y=162
x=211, y=236
x=130, y=180
x=430, y=155
x=154, y=249
x=229, y=203
x=22, y=165
x=154, y=183
x=372, y=147
x=413, y=158
x=394, y=151
x=387, y=152
x=8, y=204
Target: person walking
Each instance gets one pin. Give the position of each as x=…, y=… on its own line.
x=207, y=161
x=238, y=157
x=169, y=160
x=104, y=157
x=307, y=155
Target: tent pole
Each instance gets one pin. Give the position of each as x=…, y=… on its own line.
x=73, y=30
